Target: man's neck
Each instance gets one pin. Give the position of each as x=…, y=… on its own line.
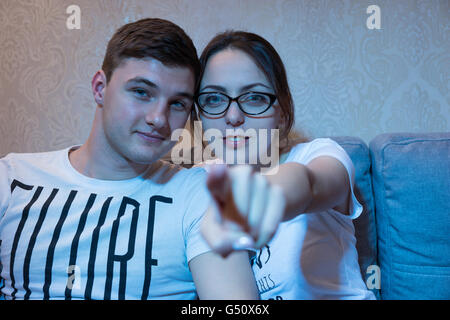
x=98, y=164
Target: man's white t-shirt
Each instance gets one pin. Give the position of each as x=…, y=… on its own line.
x=313, y=256
x=67, y=236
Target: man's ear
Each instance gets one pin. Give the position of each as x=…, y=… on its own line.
x=98, y=87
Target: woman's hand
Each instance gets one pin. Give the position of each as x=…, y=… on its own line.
x=246, y=209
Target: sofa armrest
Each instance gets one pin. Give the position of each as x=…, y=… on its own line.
x=411, y=181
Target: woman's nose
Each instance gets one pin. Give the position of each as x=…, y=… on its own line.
x=234, y=115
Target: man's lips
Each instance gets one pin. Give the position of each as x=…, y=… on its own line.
x=151, y=136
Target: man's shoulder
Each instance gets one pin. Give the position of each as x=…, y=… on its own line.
x=24, y=162
x=169, y=172
x=30, y=156
x=189, y=184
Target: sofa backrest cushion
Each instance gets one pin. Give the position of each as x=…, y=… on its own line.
x=365, y=226
x=411, y=181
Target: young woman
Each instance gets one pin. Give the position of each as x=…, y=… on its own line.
x=306, y=202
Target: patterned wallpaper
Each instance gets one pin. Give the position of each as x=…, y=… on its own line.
x=346, y=78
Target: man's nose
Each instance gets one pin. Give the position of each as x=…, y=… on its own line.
x=234, y=115
x=157, y=115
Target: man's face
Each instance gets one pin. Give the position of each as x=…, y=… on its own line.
x=143, y=103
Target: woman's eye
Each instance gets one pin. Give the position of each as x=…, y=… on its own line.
x=214, y=99
x=255, y=98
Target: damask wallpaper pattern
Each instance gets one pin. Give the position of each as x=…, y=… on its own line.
x=346, y=79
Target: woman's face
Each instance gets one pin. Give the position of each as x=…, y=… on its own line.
x=233, y=72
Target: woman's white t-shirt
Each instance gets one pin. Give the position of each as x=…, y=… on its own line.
x=313, y=256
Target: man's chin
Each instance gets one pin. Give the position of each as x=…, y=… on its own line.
x=148, y=157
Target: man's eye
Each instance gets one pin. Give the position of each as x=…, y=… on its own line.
x=140, y=93
x=179, y=105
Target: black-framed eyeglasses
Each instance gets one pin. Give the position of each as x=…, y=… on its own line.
x=251, y=103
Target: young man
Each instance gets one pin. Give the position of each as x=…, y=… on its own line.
x=108, y=219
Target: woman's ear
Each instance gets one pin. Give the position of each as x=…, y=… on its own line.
x=98, y=87
x=283, y=130
x=281, y=121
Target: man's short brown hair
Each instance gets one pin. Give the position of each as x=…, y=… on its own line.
x=151, y=38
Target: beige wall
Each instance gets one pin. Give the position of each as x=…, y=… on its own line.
x=345, y=78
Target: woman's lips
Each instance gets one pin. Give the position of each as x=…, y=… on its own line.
x=235, y=141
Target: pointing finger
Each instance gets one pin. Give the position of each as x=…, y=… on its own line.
x=257, y=203
x=241, y=187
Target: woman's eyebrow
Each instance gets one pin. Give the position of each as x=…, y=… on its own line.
x=242, y=89
x=214, y=87
x=256, y=84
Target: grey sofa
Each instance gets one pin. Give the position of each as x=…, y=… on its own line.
x=403, y=235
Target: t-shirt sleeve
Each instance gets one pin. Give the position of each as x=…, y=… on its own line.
x=305, y=153
x=198, y=200
x=5, y=195
x=5, y=189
